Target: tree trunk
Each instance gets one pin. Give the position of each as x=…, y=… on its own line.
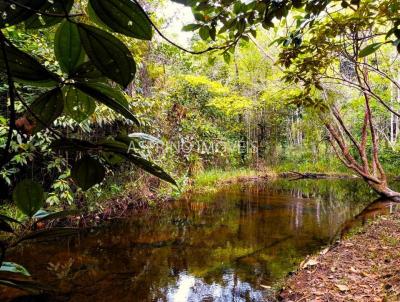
x=383, y=190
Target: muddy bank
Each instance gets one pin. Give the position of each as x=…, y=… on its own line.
x=364, y=267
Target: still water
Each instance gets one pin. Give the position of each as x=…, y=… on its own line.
x=231, y=245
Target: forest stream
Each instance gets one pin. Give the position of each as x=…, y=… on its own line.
x=230, y=245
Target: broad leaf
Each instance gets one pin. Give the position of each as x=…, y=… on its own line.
x=58, y=7
x=73, y=144
x=88, y=172
x=124, y=17
x=77, y=104
x=28, y=195
x=111, y=97
x=45, y=216
x=87, y=72
x=25, y=67
x=13, y=14
x=370, y=49
x=12, y=267
x=67, y=46
x=108, y=54
x=46, y=109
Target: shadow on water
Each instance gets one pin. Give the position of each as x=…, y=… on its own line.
x=225, y=246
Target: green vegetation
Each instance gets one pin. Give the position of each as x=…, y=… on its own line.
x=94, y=110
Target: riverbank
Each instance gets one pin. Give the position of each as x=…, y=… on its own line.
x=363, y=267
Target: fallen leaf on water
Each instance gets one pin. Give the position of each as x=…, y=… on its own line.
x=342, y=287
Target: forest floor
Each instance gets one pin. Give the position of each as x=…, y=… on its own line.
x=364, y=267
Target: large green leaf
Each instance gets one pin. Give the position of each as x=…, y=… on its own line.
x=13, y=14
x=111, y=97
x=46, y=109
x=87, y=72
x=124, y=17
x=108, y=54
x=370, y=49
x=12, y=267
x=25, y=67
x=122, y=149
x=77, y=104
x=28, y=195
x=58, y=7
x=88, y=172
x=73, y=144
x=67, y=46
x=46, y=216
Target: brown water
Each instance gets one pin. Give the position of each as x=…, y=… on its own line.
x=225, y=246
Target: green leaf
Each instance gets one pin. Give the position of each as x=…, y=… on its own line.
x=87, y=172
x=67, y=46
x=12, y=267
x=191, y=27
x=45, y=216
x=110, y=56
x=227, y=57
x=204, y=33
x=46, y=109
x=111, y=97
x=59, y=7
x=25, y=67
x=124, y=17
x=87, y=72
x=12, y=14
x=72, y=144
x=28, y=195
x=369, y=49
x=77, y=104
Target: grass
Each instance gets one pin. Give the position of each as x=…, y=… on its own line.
x=210, y=179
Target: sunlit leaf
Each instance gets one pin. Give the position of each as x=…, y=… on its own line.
x=12, y=267
x=370, y=49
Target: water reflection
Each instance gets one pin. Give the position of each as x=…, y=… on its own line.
x=225, y=246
